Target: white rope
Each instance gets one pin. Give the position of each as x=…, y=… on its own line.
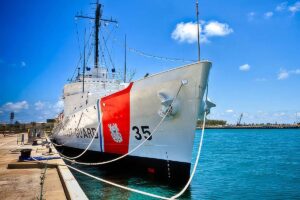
x=147, y=193
x=60, y=126
x=59, y=145
x=118, y=185
x=196, y=162
x=75, y=157
x=138, y=146
x=150, y=194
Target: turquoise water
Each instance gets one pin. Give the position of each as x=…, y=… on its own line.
x=234, y=164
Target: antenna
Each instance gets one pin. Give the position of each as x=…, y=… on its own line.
x=83, y=69
x=125, y=60
x=198, y=31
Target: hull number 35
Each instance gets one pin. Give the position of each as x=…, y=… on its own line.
x=141, y=132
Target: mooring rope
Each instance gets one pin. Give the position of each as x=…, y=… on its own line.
x=138, y=146
x=147, y=193
x=59, y=145
x=75, y=157
x=151, y=194
x=118, y=185
x=196, y=162
x=60, y=126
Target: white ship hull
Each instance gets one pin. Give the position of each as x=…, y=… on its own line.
x=126, y=117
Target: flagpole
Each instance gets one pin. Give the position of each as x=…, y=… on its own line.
x=198, y=31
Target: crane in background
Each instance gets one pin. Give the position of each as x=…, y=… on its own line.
x=239, y=120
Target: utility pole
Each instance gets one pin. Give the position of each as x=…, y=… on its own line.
x=198, y=31
x=11, y=117
x=125, y=60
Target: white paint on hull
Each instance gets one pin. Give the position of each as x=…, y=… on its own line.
x=174, y=138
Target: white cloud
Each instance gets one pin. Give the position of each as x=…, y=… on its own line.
x=40, y=110
x=268, y=15
x=282, y=6
x=39, y=105
x=279, y=114
x=261, y=112
x=297, y=71
x=295, y=8
x=215, y=28
x=229, y=111
x=187, y=32
x=23, y=64
x=260, y=79
x=251, y=16
x=245, y=67
x=16, y=107
x=283, y=74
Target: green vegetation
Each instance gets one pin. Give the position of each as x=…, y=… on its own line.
x=212, y=122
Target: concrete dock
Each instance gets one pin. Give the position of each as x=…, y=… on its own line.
x=22, y=180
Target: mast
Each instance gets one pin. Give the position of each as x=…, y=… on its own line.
x=198, y=33
x=98, y=14
x=125, y=60
x=97, y=19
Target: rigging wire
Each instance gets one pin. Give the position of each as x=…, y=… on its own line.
x=148, y=55
x=87, y=42
x=110, y=32
x=89, y=52
x=103, y=57
x=90, y=46
x=141, y=53
x=110, y=59
x=130, y=49
x=75, y=70
x=78, y=41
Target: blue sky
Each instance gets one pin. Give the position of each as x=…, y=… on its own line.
x=254, y=46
